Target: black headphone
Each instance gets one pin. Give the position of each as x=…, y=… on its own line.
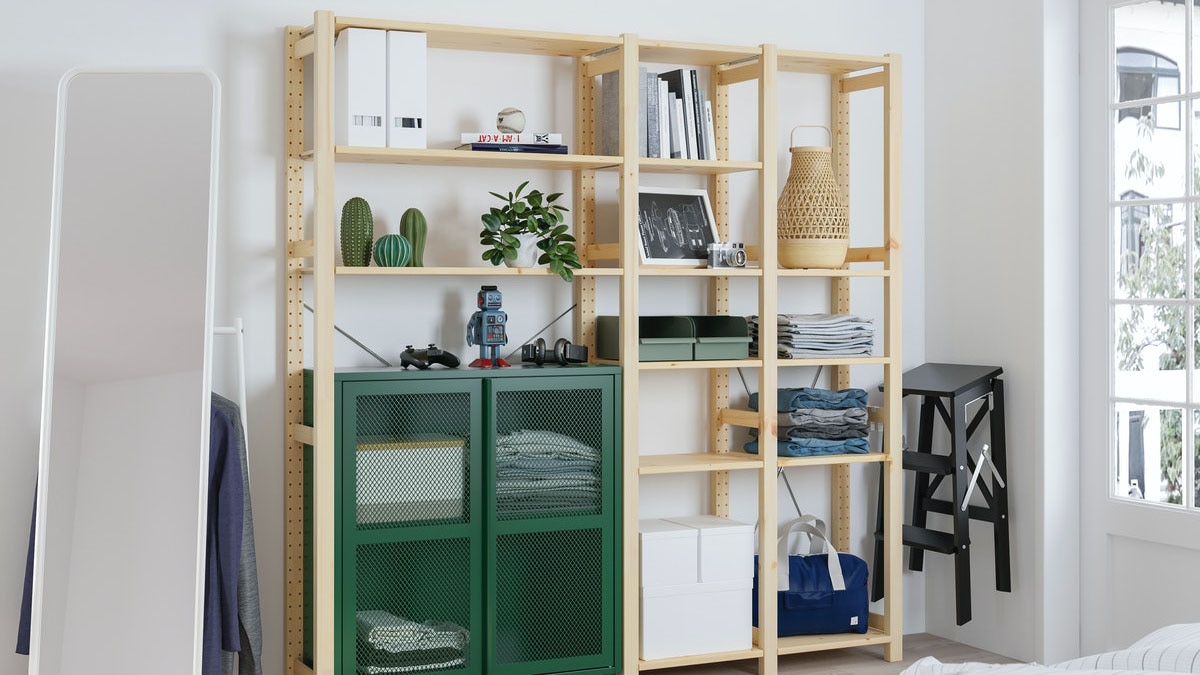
x=563, y=353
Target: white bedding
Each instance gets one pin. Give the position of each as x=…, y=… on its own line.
x=1173, y=649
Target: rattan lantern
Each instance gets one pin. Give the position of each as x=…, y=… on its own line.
x=814, y=219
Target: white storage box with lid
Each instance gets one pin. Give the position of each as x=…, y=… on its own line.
x=696, y=619
x=668, y=553
x=726, y=547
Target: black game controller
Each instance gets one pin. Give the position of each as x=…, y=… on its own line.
x=423, y=358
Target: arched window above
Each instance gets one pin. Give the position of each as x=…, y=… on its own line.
x=1143, y=74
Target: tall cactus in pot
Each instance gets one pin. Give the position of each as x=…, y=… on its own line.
x=413, y=228
x=358, y=228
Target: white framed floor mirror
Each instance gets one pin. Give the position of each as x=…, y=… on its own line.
x=118, y=582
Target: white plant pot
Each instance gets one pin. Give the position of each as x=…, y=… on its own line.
x=527, y=251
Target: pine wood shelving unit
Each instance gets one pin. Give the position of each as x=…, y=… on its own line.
x=309, y=56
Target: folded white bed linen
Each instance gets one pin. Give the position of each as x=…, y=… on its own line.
x=931, y=666
x=1168, y=650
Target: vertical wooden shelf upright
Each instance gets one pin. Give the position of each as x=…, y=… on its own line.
x=309, y=56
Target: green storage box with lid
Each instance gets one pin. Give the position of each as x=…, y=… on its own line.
x=660, y=338
x=721, y=337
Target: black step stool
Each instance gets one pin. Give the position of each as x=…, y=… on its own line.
x=959, y=385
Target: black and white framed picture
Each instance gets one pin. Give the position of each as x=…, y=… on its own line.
x=675, y=226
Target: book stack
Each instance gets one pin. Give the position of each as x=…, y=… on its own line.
x=524, y=142
x=675, y=119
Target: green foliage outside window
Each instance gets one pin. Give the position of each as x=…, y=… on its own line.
x=1156, y=270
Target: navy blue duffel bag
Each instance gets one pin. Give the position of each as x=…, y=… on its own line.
x=826, y=591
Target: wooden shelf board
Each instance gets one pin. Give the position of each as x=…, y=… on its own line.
x=800, y=644
x=681, y=365
x=697, y=462
x=468, y=158
x=441, y=36
x=834, y=273
x=672, y=271
x=824, y=460
x=794, y=61
x=694, y=659
x=692, y=53
x=695, y=166
x=836, y=361
x=466, y=271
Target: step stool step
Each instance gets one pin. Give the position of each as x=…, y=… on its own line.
x=930, y=540
x=926, y=462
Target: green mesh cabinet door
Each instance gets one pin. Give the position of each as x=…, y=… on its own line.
x=553, y=523
x=411, y=519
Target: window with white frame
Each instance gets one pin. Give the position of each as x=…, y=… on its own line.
x=1143, y=74
x=1153, y=287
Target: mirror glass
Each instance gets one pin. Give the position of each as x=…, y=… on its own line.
x=118, y=572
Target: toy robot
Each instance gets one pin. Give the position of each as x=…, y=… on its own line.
x=486, y=329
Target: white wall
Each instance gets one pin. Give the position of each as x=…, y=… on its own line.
x=242, y=42
x=1002, y=290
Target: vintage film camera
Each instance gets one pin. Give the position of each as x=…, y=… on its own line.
x=728, y=254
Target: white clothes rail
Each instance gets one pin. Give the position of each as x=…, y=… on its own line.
x=238, y=331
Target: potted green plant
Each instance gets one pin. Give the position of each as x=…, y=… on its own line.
x=536, y=219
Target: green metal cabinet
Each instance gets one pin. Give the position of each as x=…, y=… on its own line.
x=482, y=499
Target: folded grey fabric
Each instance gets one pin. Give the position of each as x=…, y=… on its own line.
x=388, y=632
x=806, y=447
x=375, y=662
x=803, y=416
x=821, y=423
x=534, y=486
x=526, y=443
x=818, y=335
x=527, y=463
x=831, y=433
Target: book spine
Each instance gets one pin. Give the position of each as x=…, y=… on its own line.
x=650, y=83
x=525, y=138
x=680, y=85
x=698, y=111
x=641, y=112
x=678, y=146
x=516, y=147
x=710, y=138
x=610, y=123
x=664, y=120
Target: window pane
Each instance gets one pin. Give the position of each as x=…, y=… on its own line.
x=1194, y=81
x=1149, y=446
x=1150, y=352
x=1148, y=159
x=1148, y=37
x=1149, y=250
x=1195, y=458
x=1166, y=115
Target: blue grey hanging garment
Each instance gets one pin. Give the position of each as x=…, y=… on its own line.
x=27, y=594
x=223, y=544
x=249, y=613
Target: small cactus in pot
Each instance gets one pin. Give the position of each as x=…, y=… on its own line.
x=391, y=250
x=413, y=228
x=357, y=231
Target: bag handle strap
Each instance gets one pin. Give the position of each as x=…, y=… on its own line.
x=818, y=541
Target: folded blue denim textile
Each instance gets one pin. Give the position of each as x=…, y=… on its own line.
x=805, y=447
x=827, y=432
x=811, y=397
